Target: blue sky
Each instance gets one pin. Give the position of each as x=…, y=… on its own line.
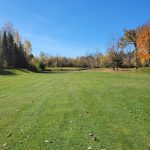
x=72, y=27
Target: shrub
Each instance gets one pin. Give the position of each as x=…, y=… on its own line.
x=37, y=65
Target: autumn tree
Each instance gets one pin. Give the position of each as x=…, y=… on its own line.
x=17, y=38
x=143, y=43
x=27, y=47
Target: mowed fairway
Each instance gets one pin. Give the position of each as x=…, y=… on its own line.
x=64, y=108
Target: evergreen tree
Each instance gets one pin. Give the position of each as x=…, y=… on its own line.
x=12, y=52
x=10, y=49
x=22, y=57
x=1, y=53
x=4, y=50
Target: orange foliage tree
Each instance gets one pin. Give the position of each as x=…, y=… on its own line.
x=143, y=43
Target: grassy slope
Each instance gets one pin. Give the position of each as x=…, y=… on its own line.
x=65, y=107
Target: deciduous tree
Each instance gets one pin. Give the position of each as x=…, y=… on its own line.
x=143, y=43
x=129, y=38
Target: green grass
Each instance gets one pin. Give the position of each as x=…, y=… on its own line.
x=143, y=70
x=65, y=107
x=56, y=69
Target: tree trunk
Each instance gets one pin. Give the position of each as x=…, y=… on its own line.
x=129, y=65
x=136, y=59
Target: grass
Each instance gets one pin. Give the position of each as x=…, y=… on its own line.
x=56, y=69
x=143, y=70
x=64, y=108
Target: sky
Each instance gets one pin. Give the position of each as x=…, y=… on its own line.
x=73, y=27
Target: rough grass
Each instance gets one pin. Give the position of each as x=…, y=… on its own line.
x=64, y=108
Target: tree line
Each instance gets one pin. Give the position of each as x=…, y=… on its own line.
x=112, y=59
x=13, y=52
x=130, y=50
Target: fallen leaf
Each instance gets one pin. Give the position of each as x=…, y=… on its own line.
x=21, y=142
x=86, y=111
x=46, y=141
x=8, y=135
x=90, y=134
x=95, y=138
x=4, y=145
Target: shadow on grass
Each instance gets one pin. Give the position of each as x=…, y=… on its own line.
x=24, y=70
x=6, y=72
x=55, y=72
x=9, y=72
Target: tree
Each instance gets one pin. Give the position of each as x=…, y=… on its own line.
x=43, y=58
x=27, y=47
x=1, y=53
x=16, y=56
x=5, y=53
x=22, y=58
x=10, y=47
x=115, y=55
x=97, y=57
x=129, y=38
x=17, y=38
x=129, y=57
x=143, y=43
